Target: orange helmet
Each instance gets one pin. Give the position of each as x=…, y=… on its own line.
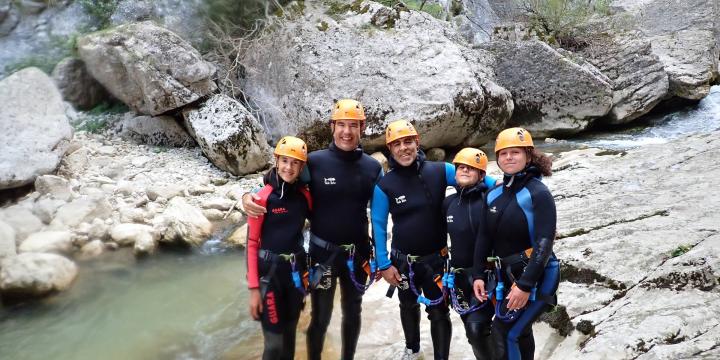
x=472, y=157
x=293, y=147
x=513, y=137
x=399, y=129
x=348, y=109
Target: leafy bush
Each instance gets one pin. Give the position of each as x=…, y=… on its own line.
x=101, y=10
x=432, y=8
x=561, y=21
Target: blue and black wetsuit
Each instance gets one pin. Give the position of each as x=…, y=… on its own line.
x=521, y=215
x=414, y=195
x=465, y=216
x=270, y=236
x=341, y=183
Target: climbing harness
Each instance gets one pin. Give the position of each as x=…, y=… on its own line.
x=451, y=291
x=300, y=281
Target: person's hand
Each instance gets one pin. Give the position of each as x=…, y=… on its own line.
x=255, y=304
x=391, y=275
x=517, y=298
x=251, y=208
x=479, y=289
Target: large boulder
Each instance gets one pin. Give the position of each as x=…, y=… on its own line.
x=229, y=135
x=683, y=36
x=7, y=240
x=83, y=209
x=149, y=68
x=76, y=84
x=130, y=234
x=639, y=81
x=34, y=130
x=47, y=242
x=552, y=93
x=182, y=223
x=22, y=220
x=34, y=275
x=398, y=63
x=153, y=130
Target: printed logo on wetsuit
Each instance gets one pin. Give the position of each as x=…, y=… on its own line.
x=270, y=305
x=450, y=219
x=493, y=209
x=279, y=210
x=400, y=199
x=329, y=181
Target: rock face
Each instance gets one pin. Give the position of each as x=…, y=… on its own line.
x=158, y=130
x=76, y=84
x=35, y=275
x=149, y=68
x=552, y=94
x=183, y=223
x=638, y=78
x=683, y=36
x=632, y=245
x=419, y=70
x=34, y=130
x=229, y=135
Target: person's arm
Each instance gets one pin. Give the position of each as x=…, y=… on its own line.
x=253, y=241
x=544, y=220
x=379, y=212
x=250, y=204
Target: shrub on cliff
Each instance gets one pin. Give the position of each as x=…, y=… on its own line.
x=561, y=21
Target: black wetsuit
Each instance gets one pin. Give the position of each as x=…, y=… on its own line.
x=414, y=195
x=279, y=231
x=521, y=215
x=465, y=216
x=341, y=184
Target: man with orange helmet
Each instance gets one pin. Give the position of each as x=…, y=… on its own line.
x=342, y=178
x=413, y=192
x=275, y=253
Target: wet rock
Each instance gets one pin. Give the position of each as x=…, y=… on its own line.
x=149, y=68
x=213, y=214
x=420, y=70
x=229, y=135
x=182, y=223
x=558, y=319
x=76, y=84
x=436, y=154
x=54, y=186
x=34, y=130
x=145, y=245
x=22, y=220
x=91, y=250
x=47, y=242
x=129, y=234
x=157, y=131
x=586, y=327
x=7, y=241
x=552, y=93
x=34, y=275
x=238, y=238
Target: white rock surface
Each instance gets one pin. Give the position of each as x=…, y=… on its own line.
x=129, y=234
x=47, y=242
x=35, y=275
x=7, y=241
x=184, y=223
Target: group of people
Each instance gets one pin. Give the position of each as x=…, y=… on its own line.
x=499, y=273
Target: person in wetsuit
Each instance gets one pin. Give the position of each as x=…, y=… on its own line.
x=521, y=223
x=275, y=252
x=413, y=192
x=465, y=217
x=342, y=178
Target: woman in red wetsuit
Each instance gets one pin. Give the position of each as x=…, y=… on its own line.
x=276, y=258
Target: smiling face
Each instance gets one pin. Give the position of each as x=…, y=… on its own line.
x=512, y=160
x=288, y=168
x=346, y=133
x=467, y=175
x=404, y=150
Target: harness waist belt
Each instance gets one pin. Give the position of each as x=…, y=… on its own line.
x=324, y=244
x=516, y=258
x=269, y=256
x=397, y=255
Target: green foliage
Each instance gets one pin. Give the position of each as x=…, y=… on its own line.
x=561, y=21
x=234, y=17
x=58, y=48
x=432, y=8
x=322, y=26
x=97, y=119
x=100, y=10
x=680, y=250
x=338, y=7
x=108, y=108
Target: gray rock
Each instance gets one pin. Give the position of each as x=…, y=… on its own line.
x=238, y=238
x=167, y=191
x=380, y=157
x=149, y=68
x=75, y=162
x=76, y=84
x=229, y=135
x=132, y=11
x=213, y=214
x=9, y=17
x=183, y=223
x=22, y=220
x=45, y=209
x=31, y=6
x=218, y=203
x=7, y=241
x=54, y=186
x=420, y=70
x=34, y=130
x=436, y=154
x=552, y=94
x=83, y=209
x=35, y=275
x=91, y=250
x=129, y=234
x=5, y=6
x=47, y=242
x=158, y=131
x=638, y=78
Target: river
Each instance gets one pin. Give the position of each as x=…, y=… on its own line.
x=192, y=304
